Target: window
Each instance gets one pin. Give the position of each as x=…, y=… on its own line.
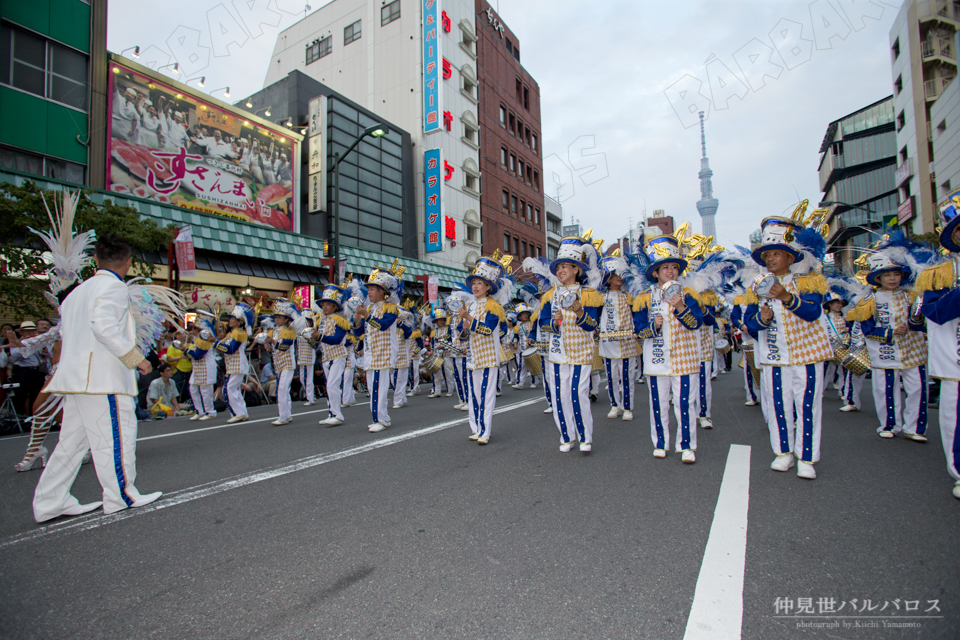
x=351, y=32
x=471, y=129
x=526, y=135
x=503, y=116
x=506, y=242
x=896, y=48
x=538, y=251
x=519, y=91
x=529, y=174
x=41, y=67
x=503, y=156
x=468, y=41
x=536, y=180
x=516, y=246
x=513, y=204
x=520, y=129
x=945, y=188
x=536, y=217
x=530, y=212
x=506, y=201
x=319, y=48
x=520, y=168
x=523, y=207
x=524, y=245
x=941, y=127
x=389, y=13
x=526, y=99
x=513, y=123
x=468, y=83
x=901, y=121
x=534, y=145
x=513, y=163
x=508, y=45
x=42, y=165
x=898, y=85
x=471, y=177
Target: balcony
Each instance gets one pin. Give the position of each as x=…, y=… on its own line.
x=934, y=87
x=941, y=10
x=938, y=48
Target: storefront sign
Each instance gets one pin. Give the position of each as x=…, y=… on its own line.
x=431, y=66
x=316, y=156
x=433, y=289
x=171, y=145
x=302, y=296
x=431, y=193
x=903, y=171
x=905, y=211
x=208, y=298
x=186, y=260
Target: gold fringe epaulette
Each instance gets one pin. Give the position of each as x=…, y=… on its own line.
x=642, y=301
x=416, y=334
x=389, y=307
x=629, y=300
x=341, y=322
x=750, y=297
x=812, y=283
x=938, y=277
x=200, y=343
x=863, y=311
x=693, y=294
x=590, y=298
x=495, y=308
x=547, y=297
x=738, y=300
x=709, y=298
x=534, y=316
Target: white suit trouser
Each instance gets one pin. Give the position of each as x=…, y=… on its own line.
x=349, y=393
x=908, y=415
x=107, y=425
x=748, y=383
x=795, y=390
x=852, y=385
x=594, y=381
x=546, y=367
x=306, y=379
x=284, y=402
x=523, y=373
x=460, y=377
x=378, y=384
x=234, y=395
x=572, y=413
x=684, y=389
x=443, y=378
x=620, y=376
x=831, y=372
x=202, y=397
x=706, y=389
x=949, y=416
x=333, y=371
x=483, y=400
x=400, y=379
x=414, y=383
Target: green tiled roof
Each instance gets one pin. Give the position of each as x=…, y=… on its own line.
x=221, y=234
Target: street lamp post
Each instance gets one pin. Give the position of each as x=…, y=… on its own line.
x=375, y=131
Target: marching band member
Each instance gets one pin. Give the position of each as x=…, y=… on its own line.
x=668, y=319
x=441, y=332
x=833, y=315
x=204, y=374
x=482, y=318
x=462, y=344
x=896, y=344
x=401, y=368
x=941, y=306
x=232, y=346
x=350, y=372
x=748, y=343
x=792, y=342
x=569, y=316
x=280, y=344
x=521, y=334
x=503, y=371
x=333, y=329
x=375, y=322
x=307, y=359
x=532, y=291
x=415, y=346
x=619, y=353
x=708, y=351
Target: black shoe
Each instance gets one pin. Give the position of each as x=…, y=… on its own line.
x=593, y=397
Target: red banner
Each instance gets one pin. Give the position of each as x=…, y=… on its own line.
x=186, y=261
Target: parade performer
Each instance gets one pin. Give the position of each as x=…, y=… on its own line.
x=440, y=331
x=506, y=339
x=233, y=347
x=941, y=306
x=333, y=329
x=350, y=372
x=106, y=327
x=203, y=377
x=895, y=341
x=620, y=351
x=415, y=347
x=280, y=344
x=521, y=335
x=375, y=321
x=482, y=318
x=833, y=314
x=531, y=291
x=784, y=316
x=461, y=344
x=307, y=358
x=401, y=367
x=748, y=344
x=569, y=316
x=668, y=317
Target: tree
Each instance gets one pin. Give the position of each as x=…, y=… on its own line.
x=23, y=267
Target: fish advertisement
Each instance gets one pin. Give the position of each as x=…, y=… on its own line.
x=171, y=146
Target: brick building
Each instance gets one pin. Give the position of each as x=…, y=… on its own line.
x=512, y=207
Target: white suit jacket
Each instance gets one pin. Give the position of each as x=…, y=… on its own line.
x=99, y=352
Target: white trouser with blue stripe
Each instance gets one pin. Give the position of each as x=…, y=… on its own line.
x=706, y=388
x=443, y=378
x=460, y=377
x=234, y=394
x=620, y=376
x=545, y=366
x=349, y=372
x=684, y=389
x=483, y=400
x=570, y=387
x=400, y=379
x=795, y=390
x=748, y=383
x=333, y=372
x=908, y=415
x=378, y=385
x=202, y=397
x=306, y=381
x=108, y=426
x=284, y=402
x=852, y=384
x=949, y=416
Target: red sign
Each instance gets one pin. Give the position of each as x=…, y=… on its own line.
x=447, y=69
x=905, y=211
x=186, y=261
x=448, y=170
x=450, y=227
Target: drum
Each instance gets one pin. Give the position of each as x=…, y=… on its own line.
x=762, y=285
x=542, y=347
x=748, y=358
x=722, y=345
x=597, y=360
x=857, y=361
x=531, y=357
x=433, y=364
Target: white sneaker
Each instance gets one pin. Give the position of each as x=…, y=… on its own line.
x=956, y=491
x=517, y=386
x=659, y=453
x=586, y=447
x=459, y=405
x=916, y=437
x=548, y=410
x=642, y=381
x=483, y=440
x=836, y=385
x=499, y=394
x=434, y=395
x=627, y=416
x=751, y=403
x=309, y=404
x=688, y=457
x=805, y=470
x=399, y=406
x=473, y=436
x=144, y=500
x=450, y=393
x=410, y=394
x=375, y=427
x=278, y=422
x=706, y=423
x=533, y=386
x=886, y=434
x=465, y=407
x=615, y=412
x=237, y=418
x=207, y=416
x=195, y=416
x=849, y=407
x=783, y=463
x=332, y=421
x=565, y=447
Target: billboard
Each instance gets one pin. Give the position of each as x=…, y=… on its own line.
x=431, y=66
x=433, y=210
x=167, y=144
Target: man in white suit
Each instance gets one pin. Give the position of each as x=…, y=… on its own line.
x=97, y=379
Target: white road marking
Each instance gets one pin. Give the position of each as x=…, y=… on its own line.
x=224, y=426
x=174, y=498
x=717, y=610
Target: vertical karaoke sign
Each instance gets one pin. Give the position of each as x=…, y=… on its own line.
x=431, y=66
x=433, y=211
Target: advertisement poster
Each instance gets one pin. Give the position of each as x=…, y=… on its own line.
x=173, y=147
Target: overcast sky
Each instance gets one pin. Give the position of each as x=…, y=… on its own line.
x=612, y=75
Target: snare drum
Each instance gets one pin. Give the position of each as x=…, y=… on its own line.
x=531, y=357
x=722, y=345
x=433, y=364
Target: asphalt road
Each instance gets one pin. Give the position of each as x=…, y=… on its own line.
x=304, y=531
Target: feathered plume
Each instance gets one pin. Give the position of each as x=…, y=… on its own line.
x=69, y=251
x=711, y=275
x=637, y=264
x=594, y=275
x=505, y=290
x=527, y=291
x=915, y=255
x=150, y=306
x=540, y=269
x=852, y=292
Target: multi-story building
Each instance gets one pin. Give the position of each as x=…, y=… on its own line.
x=945, y=126
x=414, y=65
x=924, y=61
x=553, y=211
x=53, y=79
x=859, y=176
x=511, y=161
